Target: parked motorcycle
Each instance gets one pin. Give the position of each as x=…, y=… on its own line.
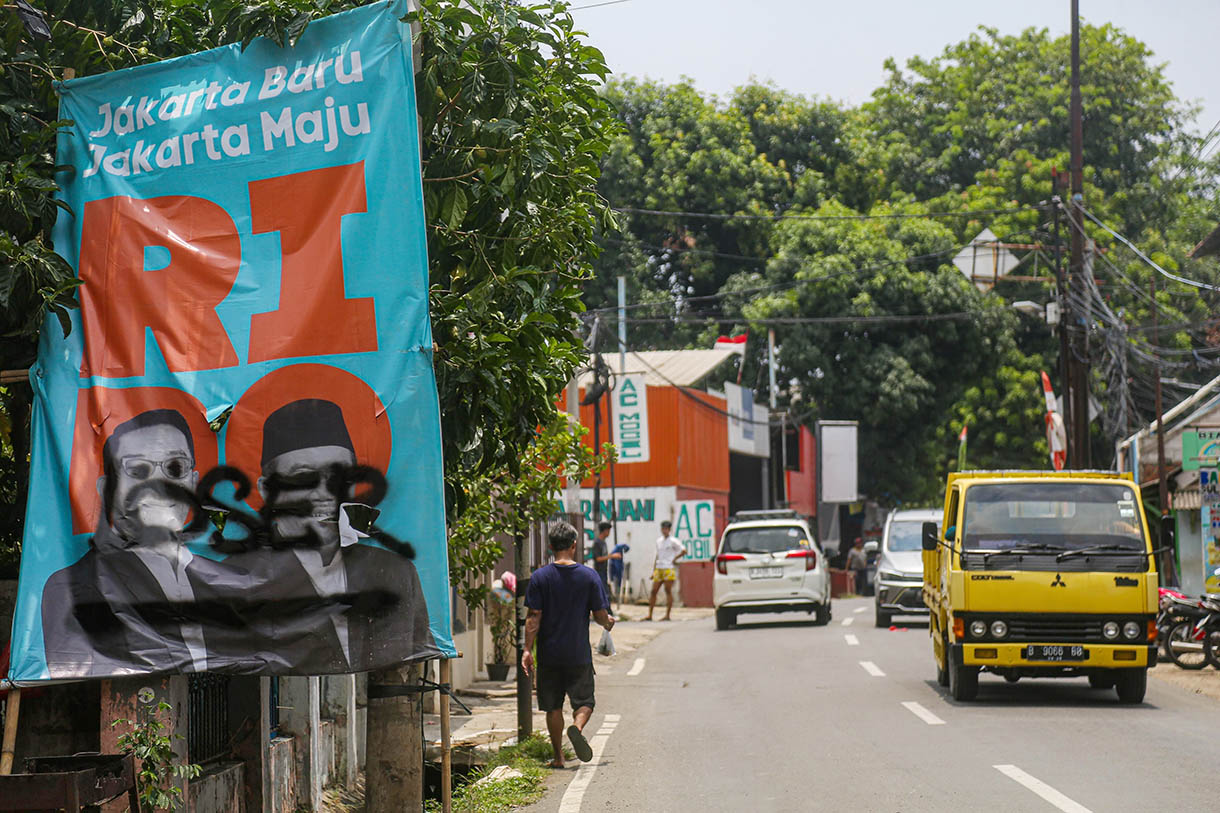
x=1192, y=629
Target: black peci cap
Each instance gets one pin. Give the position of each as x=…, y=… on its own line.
x=304, y=424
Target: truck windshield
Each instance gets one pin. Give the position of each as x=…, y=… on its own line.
x=764, y=540
x=1053, y=518
x=906, y=536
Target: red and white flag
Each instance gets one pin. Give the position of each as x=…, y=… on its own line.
x=735, y=343
x=1056, y=432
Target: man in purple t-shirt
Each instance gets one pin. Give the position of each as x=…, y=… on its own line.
x=560, y=598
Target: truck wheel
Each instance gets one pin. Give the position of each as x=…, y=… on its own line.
x=725, y=619
x=1101, y=680
x=822, y=617
x=964, y=682
x=942, y=672
x=1131, y=685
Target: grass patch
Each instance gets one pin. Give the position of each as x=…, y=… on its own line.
x=529, y=756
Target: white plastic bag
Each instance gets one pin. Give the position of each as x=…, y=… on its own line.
x=606, y=645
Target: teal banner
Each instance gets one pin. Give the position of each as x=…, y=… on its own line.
x=236, y=459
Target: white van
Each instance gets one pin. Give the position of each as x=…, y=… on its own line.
x=769, y=562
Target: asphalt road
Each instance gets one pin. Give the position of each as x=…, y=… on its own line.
x=780, y=715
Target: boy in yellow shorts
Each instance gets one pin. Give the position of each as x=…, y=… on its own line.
x=664, y=569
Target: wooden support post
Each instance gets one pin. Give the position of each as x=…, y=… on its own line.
x=446, y=754
x=11, y=710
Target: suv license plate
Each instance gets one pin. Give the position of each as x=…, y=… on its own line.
x=1055, y=653
x=766, y=573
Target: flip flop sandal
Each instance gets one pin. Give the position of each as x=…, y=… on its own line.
x=579, y=744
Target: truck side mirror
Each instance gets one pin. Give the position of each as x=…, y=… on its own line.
x=929, y=536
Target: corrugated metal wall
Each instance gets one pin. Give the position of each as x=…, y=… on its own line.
x=688, y=442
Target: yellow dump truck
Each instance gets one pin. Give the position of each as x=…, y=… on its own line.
x=1041, y=574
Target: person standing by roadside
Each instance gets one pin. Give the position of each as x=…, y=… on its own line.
x=664, y=569
x=601, y=555
x=560, y=598
x=857, y=564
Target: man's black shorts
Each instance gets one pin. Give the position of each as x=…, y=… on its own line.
x=556, y=681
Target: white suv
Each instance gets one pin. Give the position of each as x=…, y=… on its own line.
x=899, y=587
x=769, y=562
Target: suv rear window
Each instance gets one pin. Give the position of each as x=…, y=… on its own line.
x=764, y=540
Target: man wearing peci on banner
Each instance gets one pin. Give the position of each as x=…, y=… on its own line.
x=330, y=602
x=138, y=600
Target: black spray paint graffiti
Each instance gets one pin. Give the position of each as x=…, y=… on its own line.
x=357, y=491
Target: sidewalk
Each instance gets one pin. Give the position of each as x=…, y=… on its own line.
x=493, y=723
x=1205, y=681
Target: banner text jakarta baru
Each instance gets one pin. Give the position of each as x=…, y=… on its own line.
x=236, y=452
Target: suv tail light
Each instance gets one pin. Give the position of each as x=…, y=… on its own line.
x=810, y=557
x=721, y=567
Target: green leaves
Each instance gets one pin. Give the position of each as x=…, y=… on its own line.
x=513, y=130
x=508, y=499
x=156, y=763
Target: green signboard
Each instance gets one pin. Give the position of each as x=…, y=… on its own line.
x=1200, y=449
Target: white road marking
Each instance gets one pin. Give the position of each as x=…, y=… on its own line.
x=847, y=621
x=1042, y=789
x=851, y=640
x=575, y=794
x=859, y=609
x=613, y=718
x=636, y=667
x=922, y=713
x=872, y=669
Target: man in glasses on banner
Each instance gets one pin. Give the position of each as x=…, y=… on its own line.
x=138, y=601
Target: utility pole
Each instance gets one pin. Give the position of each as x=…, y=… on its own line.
x=525, y=699
x=1065, y=382
x=1078, y=357
x=1167, y=558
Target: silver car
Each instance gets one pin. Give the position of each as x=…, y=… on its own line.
x=899, y=585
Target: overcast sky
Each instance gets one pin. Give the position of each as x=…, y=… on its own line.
x=837, y=49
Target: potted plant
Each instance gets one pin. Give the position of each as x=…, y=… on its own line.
x=503, y=630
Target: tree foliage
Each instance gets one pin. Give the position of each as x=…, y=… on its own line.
x=821, y=215
x=513, y=133
x=506, y=501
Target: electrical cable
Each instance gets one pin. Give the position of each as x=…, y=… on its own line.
x=711, y=407
x=599, y=5
x=783, y=286
x=890, y=216
x=1168, y=275
x=809, y=320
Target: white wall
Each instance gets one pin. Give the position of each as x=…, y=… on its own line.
x=639, y=531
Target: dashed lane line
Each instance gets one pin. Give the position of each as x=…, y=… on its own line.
x=851, y=640
x=872, y=668
x=636, y=667
x=1042, y=789
x=575, y=793
x=922, y=713
x=859, y=609
x=847, y=621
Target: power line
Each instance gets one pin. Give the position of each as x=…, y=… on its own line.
x=713, y=408
x=892, y=215
x=811, y=320
x=1193, y=283
x=599, y=5
x=784, y=286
